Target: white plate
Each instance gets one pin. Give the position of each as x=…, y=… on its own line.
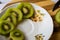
x=31, y=28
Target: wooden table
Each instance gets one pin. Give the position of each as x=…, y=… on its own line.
x=48, y=5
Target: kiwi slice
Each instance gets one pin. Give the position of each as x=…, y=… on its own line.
x=12, y=15
x=14, y=19
x=17, y=13
x=6, y=27
x=5, y=15
x=16, y=35
x=57, y=17
x=27, y=9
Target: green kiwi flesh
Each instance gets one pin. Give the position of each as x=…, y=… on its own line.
x=57, y=17
x=6, y=27
x=12, y=14
x=27, y=9
x=17, y=35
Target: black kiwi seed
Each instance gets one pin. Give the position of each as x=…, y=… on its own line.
x=16, y=14
x=7, y=28
x=9, y=18
x=10, y=39
x=6, y=35
x=24, y=9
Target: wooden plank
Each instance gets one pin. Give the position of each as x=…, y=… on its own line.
x=31, y=0
x=55, y=36
x=46, y=4
x=36, y=0
x=53, y=13
x=16, y=0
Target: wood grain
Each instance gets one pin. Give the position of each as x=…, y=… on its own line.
x=55, y=36
x=48, y=5
x=30, y=0
x=16, y=0
x=53, y=13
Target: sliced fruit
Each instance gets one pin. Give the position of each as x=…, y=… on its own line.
x=12, y=14
x=5, y=15
x=57, y=17
x=27, y=9
x=6, y=27
x=17, y=13
x=17, y=35
x=14, y=19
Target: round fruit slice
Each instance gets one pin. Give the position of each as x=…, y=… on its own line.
x=27, y=9
x=6, y=27
x=57, y=17
x=12, y=14
x=16, y=35
x=5, y=15
x=17, y=13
